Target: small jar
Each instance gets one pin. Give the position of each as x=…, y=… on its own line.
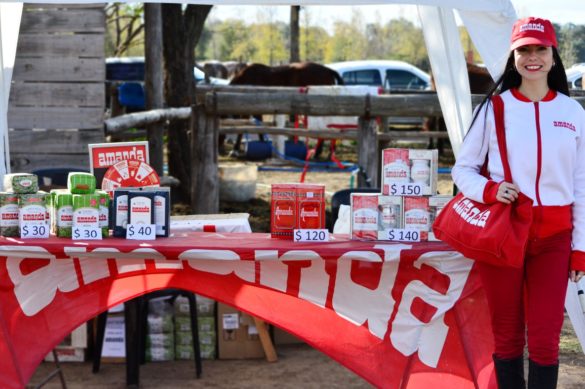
x=420, y=172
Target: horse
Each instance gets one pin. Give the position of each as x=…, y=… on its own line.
x=480, y=82
x=294, y=74
x=299, y=74
x=215, y=69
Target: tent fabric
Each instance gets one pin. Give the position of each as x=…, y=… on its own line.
x=9, y=25
x=484, y=19
x=449, y=70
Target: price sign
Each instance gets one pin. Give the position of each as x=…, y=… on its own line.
x=34, y=231
x=317, y=235
x=86, y=233
x=410, y=189
x=141, y=231
x=403, y=234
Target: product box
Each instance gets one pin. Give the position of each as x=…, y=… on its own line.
x=296, y=206
x=236, y=337
x=372, y=214
x=9, y=212
x=140, y=207
x=120, y=212
x=406, y=166
x=436, y=205
x=417, y=215
x=114, y=347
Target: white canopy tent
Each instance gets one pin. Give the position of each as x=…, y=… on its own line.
x=489, y=23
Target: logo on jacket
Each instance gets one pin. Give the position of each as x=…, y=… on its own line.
x=570, y=126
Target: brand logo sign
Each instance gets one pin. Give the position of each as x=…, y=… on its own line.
x=570, y=126
x=532, y=27
x=470, y=213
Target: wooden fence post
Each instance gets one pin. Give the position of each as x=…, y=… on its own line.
x=368, y=153
x=204, y=168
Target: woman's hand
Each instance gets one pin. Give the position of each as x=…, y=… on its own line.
x=507, y=193
x=576, y=275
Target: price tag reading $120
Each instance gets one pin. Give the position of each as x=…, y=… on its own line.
x=141, y=231
x=317, y=235
x=406, y=189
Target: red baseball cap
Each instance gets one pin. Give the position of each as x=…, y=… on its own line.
x=533, y=31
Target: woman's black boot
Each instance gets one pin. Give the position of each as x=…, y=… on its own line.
x=542, y=376
x=510, y=373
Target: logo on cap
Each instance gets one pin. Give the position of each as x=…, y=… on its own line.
x=532, y=27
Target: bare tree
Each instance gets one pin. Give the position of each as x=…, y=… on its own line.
x=126, y=21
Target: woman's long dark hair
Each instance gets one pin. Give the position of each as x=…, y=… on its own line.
x=557, y=80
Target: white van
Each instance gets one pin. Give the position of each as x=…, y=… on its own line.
x=390, y=75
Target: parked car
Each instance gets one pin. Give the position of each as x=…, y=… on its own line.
x=575, y=76
x=132, y=69
x=390, y=75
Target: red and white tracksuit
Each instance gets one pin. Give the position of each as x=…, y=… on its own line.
x=546, y=153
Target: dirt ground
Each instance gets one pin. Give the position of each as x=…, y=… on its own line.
x=299, y=366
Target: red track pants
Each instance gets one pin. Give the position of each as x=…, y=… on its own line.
x=530, y=300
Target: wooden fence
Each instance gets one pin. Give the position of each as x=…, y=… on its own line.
x=212, y=103
x=57, y=98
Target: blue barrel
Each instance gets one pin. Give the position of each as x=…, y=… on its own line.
x=258, y=150
x=296, y=149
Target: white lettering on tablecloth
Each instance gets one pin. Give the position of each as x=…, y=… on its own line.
x=357, y=303
x=409, y=334
x=35, y=290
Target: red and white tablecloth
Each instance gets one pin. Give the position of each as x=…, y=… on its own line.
x=400, y=315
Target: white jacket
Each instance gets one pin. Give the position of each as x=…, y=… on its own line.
x=546, y=152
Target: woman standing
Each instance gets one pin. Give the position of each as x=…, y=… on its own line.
x=545, y=137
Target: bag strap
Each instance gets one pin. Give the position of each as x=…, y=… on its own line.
x=501, y=135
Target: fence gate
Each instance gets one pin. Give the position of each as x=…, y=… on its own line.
x=57, y=98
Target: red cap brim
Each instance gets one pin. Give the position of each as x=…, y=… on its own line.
x=530, y=41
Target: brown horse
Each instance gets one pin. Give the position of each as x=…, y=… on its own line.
x=480, y=82
x=295, y=74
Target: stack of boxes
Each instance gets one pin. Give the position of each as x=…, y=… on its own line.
x=22, y=202
x=296, y=206
x=408, y=200
x=142, y=205
x=160, y=338
x=207, y=327
x=80, y=205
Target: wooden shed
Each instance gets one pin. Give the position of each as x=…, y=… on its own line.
x=57, y=99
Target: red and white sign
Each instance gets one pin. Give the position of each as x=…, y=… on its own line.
x=399, y=315
x=129, y=174
x=104, y=155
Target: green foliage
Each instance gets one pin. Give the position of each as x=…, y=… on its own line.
x=266, y=40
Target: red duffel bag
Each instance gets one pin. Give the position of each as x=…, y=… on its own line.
x=492, y=233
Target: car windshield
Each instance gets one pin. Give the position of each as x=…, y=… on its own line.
x=402, y=79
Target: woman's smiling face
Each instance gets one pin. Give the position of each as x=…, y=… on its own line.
x=533, y=61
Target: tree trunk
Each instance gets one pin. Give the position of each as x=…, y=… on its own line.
x=294, y=33
x=179, y=39
x=154, y=82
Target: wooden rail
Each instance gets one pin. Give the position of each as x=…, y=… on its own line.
x=212, y=103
